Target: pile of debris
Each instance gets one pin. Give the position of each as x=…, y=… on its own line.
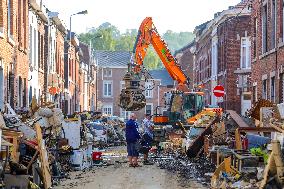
x=39, y=146
x=188, y=169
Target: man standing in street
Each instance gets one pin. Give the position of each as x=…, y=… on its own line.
x=148, y=136
x=132, y=137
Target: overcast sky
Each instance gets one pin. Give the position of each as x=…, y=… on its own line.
x=176, y=15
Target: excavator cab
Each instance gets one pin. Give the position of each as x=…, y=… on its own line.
x=185, y=105
x=180, y=106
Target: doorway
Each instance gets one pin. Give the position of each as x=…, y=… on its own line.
x=246, y=102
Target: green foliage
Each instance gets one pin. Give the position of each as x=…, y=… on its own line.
x=260, y=152
x=113, y=40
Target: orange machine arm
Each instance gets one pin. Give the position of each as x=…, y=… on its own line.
x=147, y=35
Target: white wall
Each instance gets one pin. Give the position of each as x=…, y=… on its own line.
x=33, y=58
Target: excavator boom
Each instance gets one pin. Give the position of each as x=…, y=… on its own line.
x=148, y=35
x=132, y=97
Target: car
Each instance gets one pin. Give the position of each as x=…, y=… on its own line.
x=98, y=130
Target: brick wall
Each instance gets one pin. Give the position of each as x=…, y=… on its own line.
x=185, y=60
x=229, y=42
x=270, y=64
x=13, y=51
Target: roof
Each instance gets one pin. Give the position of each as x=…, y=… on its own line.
x=112, y=58
x=163, y=75
x=86, y=53
x=189, y=45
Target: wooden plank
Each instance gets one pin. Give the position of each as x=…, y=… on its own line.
x=237, y=118
x=43, y=158
x=13, y=137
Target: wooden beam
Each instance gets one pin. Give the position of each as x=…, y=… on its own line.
x=43, y=158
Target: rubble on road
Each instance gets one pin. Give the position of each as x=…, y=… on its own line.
x=188, y=169
x=40, y=146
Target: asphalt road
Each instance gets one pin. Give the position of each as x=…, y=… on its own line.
x=119, y=176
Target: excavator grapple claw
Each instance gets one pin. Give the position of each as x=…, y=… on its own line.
x=132, y=98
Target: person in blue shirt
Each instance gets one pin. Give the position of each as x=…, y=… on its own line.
x=132, y=140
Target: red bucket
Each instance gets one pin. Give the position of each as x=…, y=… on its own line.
x=97, y=156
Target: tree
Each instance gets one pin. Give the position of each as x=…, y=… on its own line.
x=114, y=40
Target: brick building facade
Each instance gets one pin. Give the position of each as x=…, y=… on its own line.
x=13, y=52
x=267, y=50
x=184, y=57
x=222, y=57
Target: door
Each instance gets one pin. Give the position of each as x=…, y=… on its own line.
x=1, y=88
x=246, y=102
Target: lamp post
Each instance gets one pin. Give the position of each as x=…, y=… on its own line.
x=70, y=43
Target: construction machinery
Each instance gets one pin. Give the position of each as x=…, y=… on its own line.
x=181, y=103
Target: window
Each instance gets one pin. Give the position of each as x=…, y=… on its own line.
x=25, y=22
x=245, y=53
x=272, y=89
x=283, y=20
x=149, y=90
x=107, y=109
x=20, y=21
x=122, y=85
x=10, y=17
x=254, y=95
x=264, y=29
x=34, y=48
x=149, y=108
x=1, y=16
x=273, y=20
x=264, y=89
x=124, y=114
x=281, y=88
x=39, y=49
x=255, y=38
x=107, y=88
x=107, y=72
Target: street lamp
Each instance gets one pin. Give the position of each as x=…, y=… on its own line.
x=70, y=40
x=81, y=12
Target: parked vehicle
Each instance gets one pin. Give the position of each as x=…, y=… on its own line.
x=98, y=130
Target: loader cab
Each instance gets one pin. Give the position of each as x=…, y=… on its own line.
x=185, y=105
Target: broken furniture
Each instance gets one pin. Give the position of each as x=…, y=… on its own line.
x=275, y=166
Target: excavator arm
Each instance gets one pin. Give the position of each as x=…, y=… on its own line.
x=132, y=97
x=147, y=35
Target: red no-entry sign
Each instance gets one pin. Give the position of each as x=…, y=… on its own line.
x=219, y=91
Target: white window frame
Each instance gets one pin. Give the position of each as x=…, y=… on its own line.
x=148, y=89
x=108, y=72
x=124, y=114
x=272, y=93
x=109, y=110
x=149, y=104
x=122, y=83
x=245, y=44
x=108, y=82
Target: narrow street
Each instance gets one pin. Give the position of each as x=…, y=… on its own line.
x=117, y=175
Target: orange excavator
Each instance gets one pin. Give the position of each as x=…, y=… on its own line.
x=182, y=104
